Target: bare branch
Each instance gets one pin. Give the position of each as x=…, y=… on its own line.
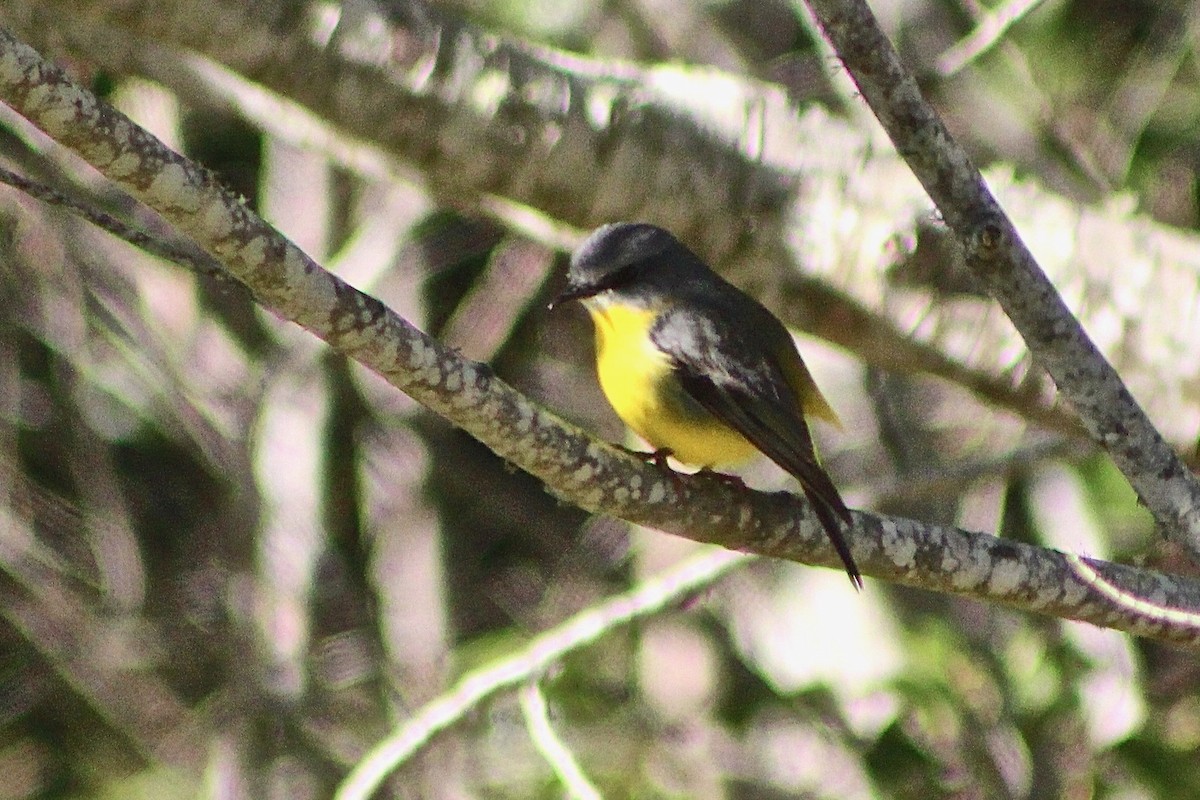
x=998, y=256
x=593, y=475
x=537, y=719
x=990, y=28
x=531, y=661
x=1148, y=608
x=765, y=193
x=190, y=257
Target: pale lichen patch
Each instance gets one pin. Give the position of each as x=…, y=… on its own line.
x=170, y=188
x=1074, y=594
x=124, y=165
x=590, y=498
x=459, y=398
x=657, y=493
x=215, y=221
x=1044, y=598
x=102, y=154
x=900, y=550
x=966, y=572
x=421, y=356
x=254, y=252
x=526, y=415
x=352, y=339
x=431, y=375
x=1007, y=576
x=300, y=270
x=57, y=106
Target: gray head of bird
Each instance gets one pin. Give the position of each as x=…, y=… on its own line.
x=616, y=255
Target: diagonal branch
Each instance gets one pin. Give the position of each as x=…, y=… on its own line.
x=532, y=661
x=767, y=192
x=190, y=257
x=593, y=475
x=537, y=719
x=998, y=256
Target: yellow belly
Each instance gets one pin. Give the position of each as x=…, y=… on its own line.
x=636, y=378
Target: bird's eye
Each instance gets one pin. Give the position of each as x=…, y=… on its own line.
x=620, y=277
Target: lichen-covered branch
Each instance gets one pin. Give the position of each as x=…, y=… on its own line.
x=593, y=475
x=1000, y=259
x=770, y=194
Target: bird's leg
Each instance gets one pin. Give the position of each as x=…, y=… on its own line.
x=658, y=457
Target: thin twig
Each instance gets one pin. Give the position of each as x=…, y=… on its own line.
x=1129, y=600
x=532, y=660
x=193, y=258
x=989, y=30
x=553, y=749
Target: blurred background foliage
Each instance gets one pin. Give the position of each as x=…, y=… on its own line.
x=230, y=560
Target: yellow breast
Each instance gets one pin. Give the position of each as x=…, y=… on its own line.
x=637, y=380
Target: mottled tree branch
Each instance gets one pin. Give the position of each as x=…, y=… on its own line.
x=997, y=255
x=766, y=194
x=593, y=475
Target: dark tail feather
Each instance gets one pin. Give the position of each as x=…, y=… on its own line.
x=832, y=516
x=778, y=429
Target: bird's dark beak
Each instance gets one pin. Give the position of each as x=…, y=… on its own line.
x=568, y=294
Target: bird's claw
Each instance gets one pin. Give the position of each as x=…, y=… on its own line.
x=658, y=458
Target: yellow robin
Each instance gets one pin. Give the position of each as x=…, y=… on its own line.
x=698, y=368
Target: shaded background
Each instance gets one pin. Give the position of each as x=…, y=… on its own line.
x=230, y=560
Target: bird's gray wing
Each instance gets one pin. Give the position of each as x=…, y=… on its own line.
x=735, y=376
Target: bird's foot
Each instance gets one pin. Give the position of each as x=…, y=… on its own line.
x=659, y=459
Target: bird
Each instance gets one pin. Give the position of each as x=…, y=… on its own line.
x=697, y=368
